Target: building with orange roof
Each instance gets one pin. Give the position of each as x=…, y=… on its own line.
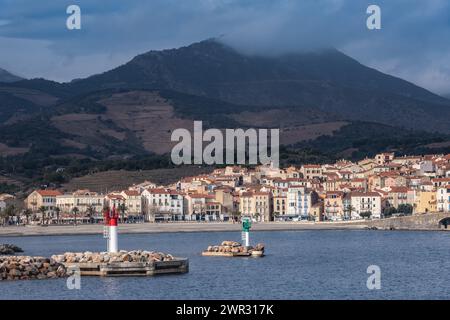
x=133, y=202
x=311, y=171
x=359, y=183
x=333, y=205
x=114, y=200
x=162, y=204
x=439, y=182
x=362, y=203
x=280, y=205
x=257, y=205
x=42, y=198
x=202, y=207
x=397, y=196
x=385, y=157
x=84, y=200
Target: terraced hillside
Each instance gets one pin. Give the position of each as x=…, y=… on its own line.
x=121, y=179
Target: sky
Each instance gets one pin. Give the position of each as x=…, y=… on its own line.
x=413, y=42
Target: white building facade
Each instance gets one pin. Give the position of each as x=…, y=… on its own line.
x=443, y=198
x=300, y=201
x=162, y=204
x=365, y=202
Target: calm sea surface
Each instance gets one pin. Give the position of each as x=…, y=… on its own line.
x=298, y=265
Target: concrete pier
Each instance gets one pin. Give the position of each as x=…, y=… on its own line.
x=121, y=269
x=122, y=263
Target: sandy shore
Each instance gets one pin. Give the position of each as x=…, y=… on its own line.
x=173, y=227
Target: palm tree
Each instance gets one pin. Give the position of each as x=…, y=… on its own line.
x=27, y=213
x=349, y=209
x=105, y=210
x=122, y=209
x=90, y=210
x=365, y=214
x=3, y=216
x=10, y=211
x=57, y=212
x=235, y=215
x=43, y=211
x=75, y=211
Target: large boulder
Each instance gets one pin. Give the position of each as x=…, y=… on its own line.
x=8, y=249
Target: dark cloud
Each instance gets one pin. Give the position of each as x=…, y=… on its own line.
x=412, y=44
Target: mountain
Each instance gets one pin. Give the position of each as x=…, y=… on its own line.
x=326, y=80
x=6, y=76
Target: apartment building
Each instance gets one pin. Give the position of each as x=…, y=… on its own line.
x=333, y=206
x=42, y=198
x=365, y=202
x=383, y=158
x=280, y=205
x=133, y=202
x=83, y=200
x=317, y=211
x=300, y=201
x=114, y=200
x=201, y=207
x=443, y=198
x=397, y=196
x=257, y=205
x=162, y=204
x=440, y=182
x=425, y=202
x=359, y=183
x=312, y=171
x=224, y=196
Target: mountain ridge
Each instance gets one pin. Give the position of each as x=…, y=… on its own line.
x=6, y=76
x=327, y=80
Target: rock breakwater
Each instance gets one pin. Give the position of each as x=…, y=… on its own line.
x=9, y=249
x=27, y=268
x=107, y=257
x=234, y=247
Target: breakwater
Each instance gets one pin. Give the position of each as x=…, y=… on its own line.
x=9, y=249
x=107, y=257
x=27, y=268
x=233, y=248
x=123, y=263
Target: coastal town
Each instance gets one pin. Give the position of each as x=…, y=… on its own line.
x=373, y=188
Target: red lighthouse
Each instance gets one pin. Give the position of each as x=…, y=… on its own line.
x=111, y=218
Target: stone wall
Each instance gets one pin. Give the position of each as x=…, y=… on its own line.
x=429, y=221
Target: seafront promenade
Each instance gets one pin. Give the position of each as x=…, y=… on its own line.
x=172, y=227
x=430, y=221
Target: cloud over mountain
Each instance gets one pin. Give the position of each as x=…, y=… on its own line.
x=411, y=44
